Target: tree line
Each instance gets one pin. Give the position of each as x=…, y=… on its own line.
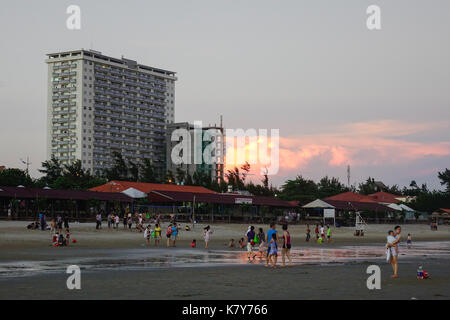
x=73, y=176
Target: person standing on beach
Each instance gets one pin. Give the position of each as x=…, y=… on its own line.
x=322, y=231
x=174, y=234
x=168, y=234
x=109, y=219
x=316, y=231
x=117, y=221
x=130, y=221
x=66, y=222
x=147, y=234
x=308, y=233
x=409, y=241
x=207, y=235
x=98, y=219
x=272, y=231
x=394, y=245
x=157, y=234
x=286, y=251
x=273, y=251
x=262, y=241
x=250, y=242
x=328, y=234
x=124, y=220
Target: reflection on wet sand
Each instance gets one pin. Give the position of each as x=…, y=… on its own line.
x=147, y=258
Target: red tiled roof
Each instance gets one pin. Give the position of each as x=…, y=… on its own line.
x=356, y=206
x=446, y=210
x=384, y=197
x=119, y=186
x=225, y=198
x=351, y=196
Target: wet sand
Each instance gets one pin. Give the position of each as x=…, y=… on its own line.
x=118, y=265
x=238, y=282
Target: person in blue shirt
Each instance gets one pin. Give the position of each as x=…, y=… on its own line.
x=270, y=233
x=174, y=233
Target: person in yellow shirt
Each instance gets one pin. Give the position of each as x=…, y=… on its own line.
x=157, y=232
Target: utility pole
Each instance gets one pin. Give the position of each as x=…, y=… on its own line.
x=27, y=163
x=348, y=176
x=193, y=213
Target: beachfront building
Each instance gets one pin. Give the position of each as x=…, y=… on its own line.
x=198, y=203
x=216, y=169
x=344, y=207
x=99, y=104
x=22, y=203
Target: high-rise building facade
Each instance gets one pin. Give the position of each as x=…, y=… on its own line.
x=99, y=104
x=216, y=169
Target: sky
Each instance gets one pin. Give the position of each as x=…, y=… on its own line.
x=339, y=93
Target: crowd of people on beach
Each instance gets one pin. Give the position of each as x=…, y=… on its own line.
x=258, y=244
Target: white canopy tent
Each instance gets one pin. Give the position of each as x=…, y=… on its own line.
x=318, y=204
x=134, y=193
x=329, y=211
x=406, y=208
x=395, y=207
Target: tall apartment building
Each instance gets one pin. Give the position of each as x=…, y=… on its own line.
x=99, y=104
x=215, y=170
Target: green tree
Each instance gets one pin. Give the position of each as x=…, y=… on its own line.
x=189, y=181
x=300, y=189
x=52, y=170
x=147, y=172
x=119, y=170
x=12, y=177
x=75, y=177
x=234, y=179
x=180, y=176
x=368, y=187
x=328, y=187
x=444, y=176
x=133, y=169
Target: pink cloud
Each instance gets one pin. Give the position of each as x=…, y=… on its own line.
x=374, y=143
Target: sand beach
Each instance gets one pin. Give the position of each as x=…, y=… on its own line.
x=119, y=265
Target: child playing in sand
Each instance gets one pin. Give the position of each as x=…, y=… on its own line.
x=273, y=253
x=241, y=243
x=231, y=244
x=55, y=239
x=194, y=243
x=319, y=240
x=409, y=241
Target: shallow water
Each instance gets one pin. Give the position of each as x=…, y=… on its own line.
x=149, y=258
